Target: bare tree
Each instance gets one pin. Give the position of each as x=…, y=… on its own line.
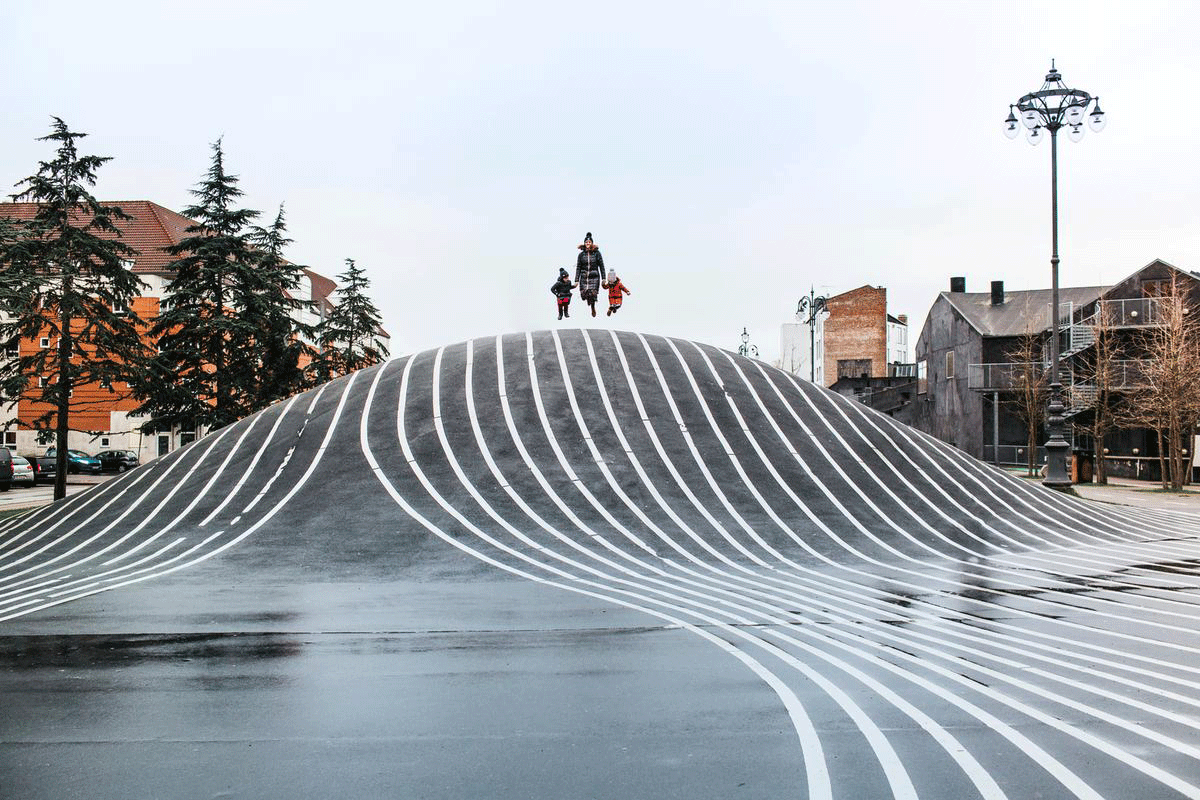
x=1168, y=401
x=1100, y=378
x=1029, y=386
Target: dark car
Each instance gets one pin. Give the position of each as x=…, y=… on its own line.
x=78, y=461
x=6, y=469
x=117, y=460
x=44, y=468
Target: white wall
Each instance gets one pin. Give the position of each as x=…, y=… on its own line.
x=796, y=345
x=897, y=343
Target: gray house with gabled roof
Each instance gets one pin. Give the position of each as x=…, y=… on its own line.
x=979, y=328
x=965, y=359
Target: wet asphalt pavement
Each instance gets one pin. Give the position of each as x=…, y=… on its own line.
x=663, y=574
x=278, y=704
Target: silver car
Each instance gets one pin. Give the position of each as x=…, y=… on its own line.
x=22, y=471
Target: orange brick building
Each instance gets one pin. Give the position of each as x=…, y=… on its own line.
x=860, y=338
x=100, y=416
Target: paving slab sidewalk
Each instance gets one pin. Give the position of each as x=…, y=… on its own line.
x=24, y=497
x=1142, y=494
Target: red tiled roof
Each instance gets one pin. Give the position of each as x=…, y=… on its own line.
x=322, y=287
x=151, y=230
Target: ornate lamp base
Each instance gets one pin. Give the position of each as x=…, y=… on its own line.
x=1057, y=448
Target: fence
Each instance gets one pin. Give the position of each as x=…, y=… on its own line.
x=1012, y=455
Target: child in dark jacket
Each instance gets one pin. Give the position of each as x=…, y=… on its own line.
x=562, y=290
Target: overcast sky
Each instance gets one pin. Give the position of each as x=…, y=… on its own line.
x=726, y=156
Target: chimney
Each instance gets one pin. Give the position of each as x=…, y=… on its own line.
x=903, y=318
x=997, y=293
x=958, y=284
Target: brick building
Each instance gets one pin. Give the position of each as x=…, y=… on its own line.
x=102, y=417
x=860, y=338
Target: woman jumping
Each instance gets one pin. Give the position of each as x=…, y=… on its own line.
x=589, y=272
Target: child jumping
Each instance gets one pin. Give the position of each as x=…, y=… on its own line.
x=562, y=290
x=615, y=288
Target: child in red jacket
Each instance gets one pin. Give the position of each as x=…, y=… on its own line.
x=615, y=288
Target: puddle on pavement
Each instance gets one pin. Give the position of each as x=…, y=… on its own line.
x=92, y=651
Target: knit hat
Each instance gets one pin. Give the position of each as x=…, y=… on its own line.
x=588, y=238
x=562, y=273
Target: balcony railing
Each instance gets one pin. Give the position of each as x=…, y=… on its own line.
x=1131, y=313
x=1129, y=374
x=1004, y=376
x=888, y=398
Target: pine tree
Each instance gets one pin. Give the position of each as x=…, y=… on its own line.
x=12, y=379
x=11, y=231
x=66, y=279
x=201, y=377
x=349, y=336
x=279, y=339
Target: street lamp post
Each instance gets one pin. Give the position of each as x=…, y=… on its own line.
x=747, y=349
x=814, y=305
x=1051, y=108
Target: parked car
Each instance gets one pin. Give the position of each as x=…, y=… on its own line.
x=22, y=472
x=44, y=468
x=117, y=460
x=78, y=461
x=6, y=469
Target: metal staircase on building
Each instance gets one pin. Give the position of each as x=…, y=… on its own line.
x=1081, y=336
x=1083, y=396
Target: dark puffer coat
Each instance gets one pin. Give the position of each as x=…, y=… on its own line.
x=589, y=273
x=562, y=289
